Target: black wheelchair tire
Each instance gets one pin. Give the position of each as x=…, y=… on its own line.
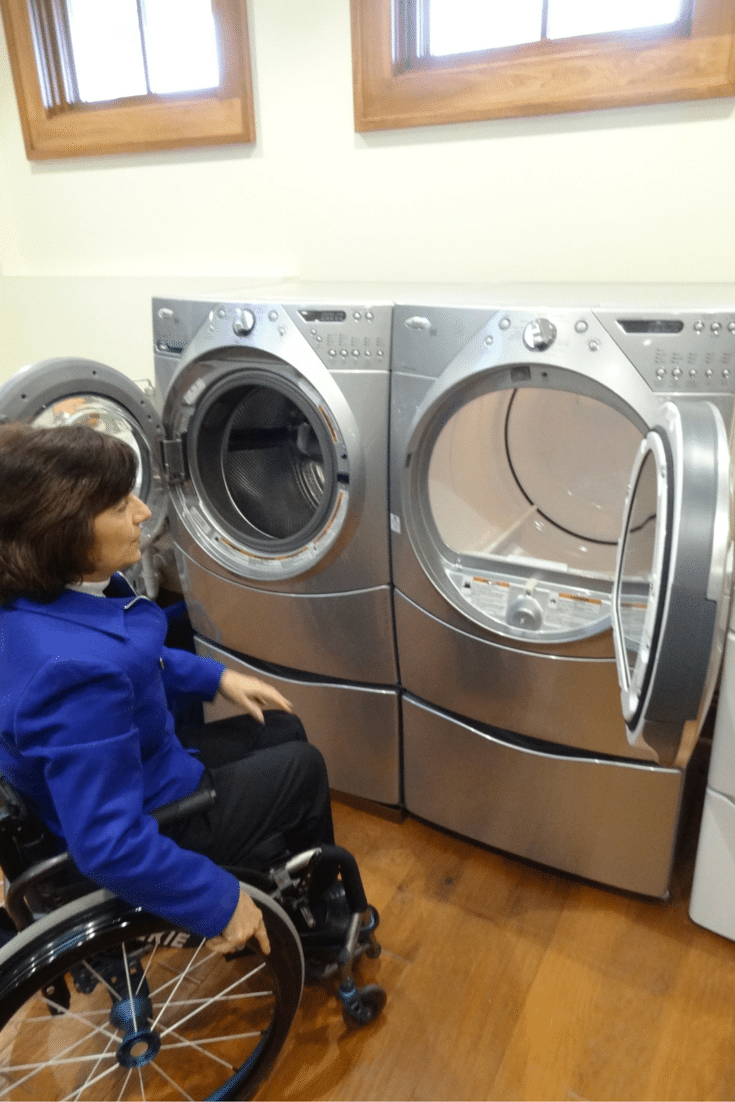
x=100, y=922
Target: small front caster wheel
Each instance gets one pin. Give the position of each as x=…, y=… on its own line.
x=364, y=1005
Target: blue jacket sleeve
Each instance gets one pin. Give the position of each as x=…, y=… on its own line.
x=77, y=718
x=184, y=672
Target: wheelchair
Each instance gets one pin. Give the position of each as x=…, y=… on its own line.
x=101, y=999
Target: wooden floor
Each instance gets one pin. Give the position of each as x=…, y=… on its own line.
x=506, y=981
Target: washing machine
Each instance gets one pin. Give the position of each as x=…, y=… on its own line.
x=561, y=548
x=275, y=454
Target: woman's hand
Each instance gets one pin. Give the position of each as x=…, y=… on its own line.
x=251, y=694
x=246, y=922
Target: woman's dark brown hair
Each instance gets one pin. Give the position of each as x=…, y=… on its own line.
x=53, y=483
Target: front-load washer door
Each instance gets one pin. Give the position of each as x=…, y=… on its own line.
x=264, y=464
x=673, y=578
x=71, y=391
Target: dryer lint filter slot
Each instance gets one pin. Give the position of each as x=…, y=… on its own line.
x=531, y=606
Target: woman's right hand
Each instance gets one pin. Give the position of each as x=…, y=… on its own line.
x=246, y=922
x=251, y=694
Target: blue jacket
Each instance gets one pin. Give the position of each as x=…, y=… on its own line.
x=87, y=737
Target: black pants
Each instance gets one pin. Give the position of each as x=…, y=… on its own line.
x=272, y=789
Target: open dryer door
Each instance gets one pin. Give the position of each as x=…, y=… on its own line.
x=70, y=391
x=672, y=584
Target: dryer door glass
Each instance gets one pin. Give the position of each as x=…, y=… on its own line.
x=645, y=537
x=672, y=581
x=523, y=505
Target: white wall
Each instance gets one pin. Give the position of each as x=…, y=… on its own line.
x=641, y=194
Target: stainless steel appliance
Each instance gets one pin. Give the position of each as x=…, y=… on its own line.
x=275, y=453
x=514, y=428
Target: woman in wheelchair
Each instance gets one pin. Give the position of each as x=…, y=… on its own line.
x=87, y=737
x=85, y=732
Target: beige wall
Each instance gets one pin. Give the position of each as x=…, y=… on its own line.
x=643, y=194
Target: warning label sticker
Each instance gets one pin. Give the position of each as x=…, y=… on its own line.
x=491, y=597
x=567, y=611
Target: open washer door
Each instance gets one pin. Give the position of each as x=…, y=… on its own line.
x=70, y=391
x=672, y=584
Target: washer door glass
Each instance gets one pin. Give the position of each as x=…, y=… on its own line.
x=269, y=468
x=673, y=577
x=104, y=415
x=83, y=392
x=524, y=491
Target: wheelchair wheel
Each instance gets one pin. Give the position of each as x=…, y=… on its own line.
x=101, y=1000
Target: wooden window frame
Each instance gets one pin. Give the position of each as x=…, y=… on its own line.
x=53, y=128
x=542, y=78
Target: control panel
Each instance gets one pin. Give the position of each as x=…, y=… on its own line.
x=356, y=337
x=688, y=353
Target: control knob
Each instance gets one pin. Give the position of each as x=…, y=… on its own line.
x=539, y=335
x=244, y=323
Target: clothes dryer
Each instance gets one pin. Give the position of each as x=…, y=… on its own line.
x=275, y=454
x=514, y=430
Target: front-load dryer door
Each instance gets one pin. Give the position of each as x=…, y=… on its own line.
x=672, y=584
x=70, y=391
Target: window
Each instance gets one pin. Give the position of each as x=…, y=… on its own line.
x=138, y=48
x=467, y=26
x=129, y=75
x=420, y=62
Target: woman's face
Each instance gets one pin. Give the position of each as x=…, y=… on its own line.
x=117, y=537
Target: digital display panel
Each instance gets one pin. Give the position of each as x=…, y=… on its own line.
x=323, y=315
x=650, y=325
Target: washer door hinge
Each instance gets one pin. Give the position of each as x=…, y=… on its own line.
x=174, y=460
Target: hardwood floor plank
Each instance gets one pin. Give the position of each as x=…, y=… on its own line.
x=509, y=981
x=695, y=1057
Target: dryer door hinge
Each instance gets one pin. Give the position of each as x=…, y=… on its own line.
x=174, y=460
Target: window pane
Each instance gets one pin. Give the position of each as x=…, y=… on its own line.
x=107, y=53
x=461, y=26
x=568, y=18
x=181, y=45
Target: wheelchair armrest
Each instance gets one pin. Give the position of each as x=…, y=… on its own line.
x=198, y=801
x=53, y=867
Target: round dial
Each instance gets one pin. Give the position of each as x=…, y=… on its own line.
x=244, y=322
x=539, y=335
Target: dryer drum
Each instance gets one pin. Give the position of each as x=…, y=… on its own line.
x=519, y=474
x=534, y=482
x=266, y=463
